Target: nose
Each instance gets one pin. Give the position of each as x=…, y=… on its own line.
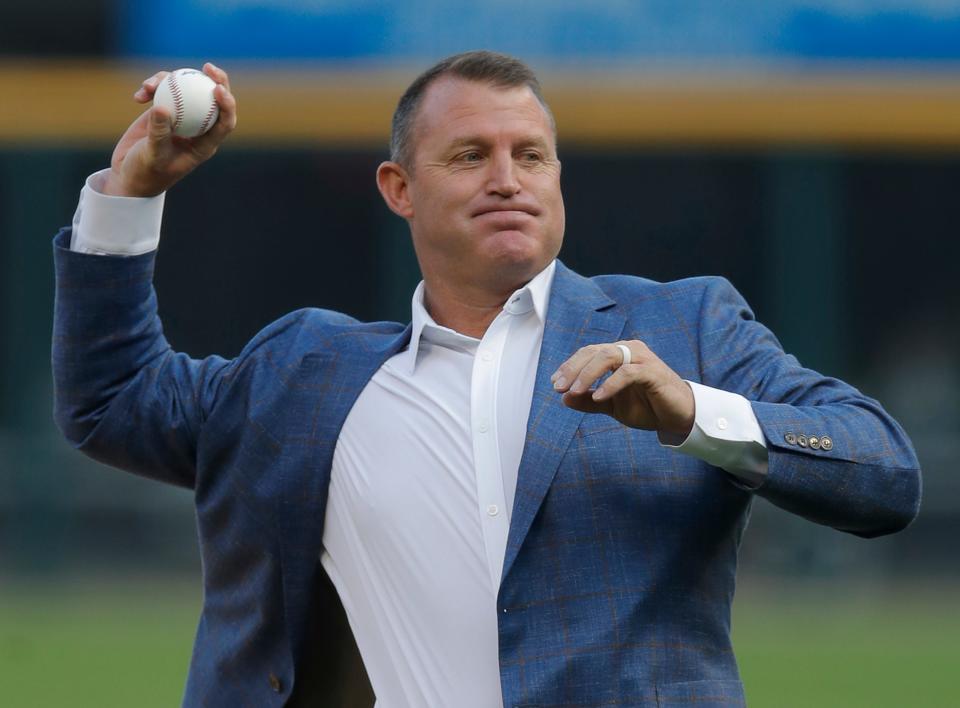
x=503, y=178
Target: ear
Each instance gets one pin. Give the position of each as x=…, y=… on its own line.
x=393, y=183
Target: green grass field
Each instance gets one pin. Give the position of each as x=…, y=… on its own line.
x=864, y=651
x=86, y=645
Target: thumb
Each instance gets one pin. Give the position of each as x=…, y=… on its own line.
x=161, y=125
x=584, y=402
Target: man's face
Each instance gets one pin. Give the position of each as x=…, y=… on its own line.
x=484, y=188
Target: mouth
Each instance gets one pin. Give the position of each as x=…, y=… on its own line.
x=507, y=212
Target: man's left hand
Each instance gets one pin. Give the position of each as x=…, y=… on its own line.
x=643, y=393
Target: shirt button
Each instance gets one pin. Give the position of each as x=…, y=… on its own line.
x=483, y=427
x=486, y=356
x=493, y=510
x=722, y=423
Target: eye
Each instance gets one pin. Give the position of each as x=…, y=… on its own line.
x=470, y=156
x=530, y=156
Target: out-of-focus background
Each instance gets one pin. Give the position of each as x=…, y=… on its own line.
x=809, y=151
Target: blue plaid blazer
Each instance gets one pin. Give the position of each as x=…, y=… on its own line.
x=620, y=564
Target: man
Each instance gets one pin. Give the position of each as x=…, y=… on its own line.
x=494, y=541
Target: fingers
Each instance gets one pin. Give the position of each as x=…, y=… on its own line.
x=624, y=376
x=227, y=120
x=217, y=74
x=160, y=126
x=582, y=370
x=144, y=94
x=225, y=98
x=584, y=402
x=645, y=394
x=564, y=377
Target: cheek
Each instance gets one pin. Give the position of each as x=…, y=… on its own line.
x=552, y=200
x=448, y=201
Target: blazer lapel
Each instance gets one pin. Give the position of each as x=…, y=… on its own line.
x=333, y=378
x=579, y=313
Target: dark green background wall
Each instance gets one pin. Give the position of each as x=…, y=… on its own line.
x=852, y=259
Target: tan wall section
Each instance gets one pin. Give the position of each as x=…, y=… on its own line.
x=87, y=103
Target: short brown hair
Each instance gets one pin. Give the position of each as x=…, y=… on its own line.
x=482, y=66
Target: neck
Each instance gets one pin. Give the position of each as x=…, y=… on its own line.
x=462, y=310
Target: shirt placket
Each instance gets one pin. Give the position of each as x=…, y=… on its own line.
x=491, y=501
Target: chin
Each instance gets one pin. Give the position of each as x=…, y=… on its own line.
x=519, y=262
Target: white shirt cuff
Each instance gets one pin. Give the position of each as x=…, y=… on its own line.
x=115, y=226
x=725, y=434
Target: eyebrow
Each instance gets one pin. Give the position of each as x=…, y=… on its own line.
x=528, y=141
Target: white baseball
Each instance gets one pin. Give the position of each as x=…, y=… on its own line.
x=188, y=95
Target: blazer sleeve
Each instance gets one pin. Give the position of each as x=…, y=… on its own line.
x=121, y=394
x=867, y=482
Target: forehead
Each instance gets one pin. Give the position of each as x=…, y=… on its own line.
x=454, y=107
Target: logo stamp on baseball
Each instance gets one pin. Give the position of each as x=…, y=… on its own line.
x=188, y=95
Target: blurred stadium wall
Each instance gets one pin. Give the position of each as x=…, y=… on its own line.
x=810, y=152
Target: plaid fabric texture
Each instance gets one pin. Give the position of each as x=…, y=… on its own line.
x=621, y=560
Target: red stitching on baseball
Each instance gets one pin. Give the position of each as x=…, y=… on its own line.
x=177, y=101
x=208, y=118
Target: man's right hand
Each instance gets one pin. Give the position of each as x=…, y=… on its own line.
x=149, y=159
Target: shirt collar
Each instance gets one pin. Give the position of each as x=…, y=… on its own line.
x=535, y=296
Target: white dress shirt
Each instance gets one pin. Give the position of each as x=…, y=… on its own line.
x=423, y=479
x=421, y=489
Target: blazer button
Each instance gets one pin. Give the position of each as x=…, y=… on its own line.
x=826, y=443
x=814, y=442
x=275, y=683
x=802, y=440
x=790, y=439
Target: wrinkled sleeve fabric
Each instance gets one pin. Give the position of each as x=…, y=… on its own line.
x=121, y=394
x=866, y=481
